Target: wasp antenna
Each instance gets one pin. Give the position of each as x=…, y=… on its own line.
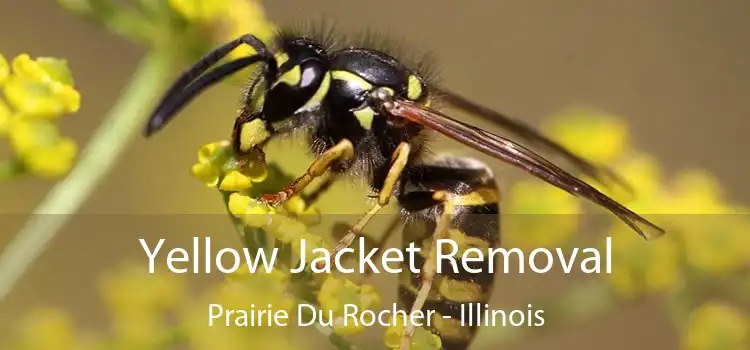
x=191, y=83
x=529, y=133
x=169, y=107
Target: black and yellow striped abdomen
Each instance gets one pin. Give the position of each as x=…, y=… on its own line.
x=475, y=223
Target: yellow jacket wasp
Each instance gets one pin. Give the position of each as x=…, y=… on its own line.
x=367, y=113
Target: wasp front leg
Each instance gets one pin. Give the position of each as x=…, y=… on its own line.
x=341, y=152
x=398, y=163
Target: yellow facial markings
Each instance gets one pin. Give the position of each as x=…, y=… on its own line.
x=252, y=134
x=281, y=58
x=365, y=117
x=413, y=88
x=291, y=77
x=351, y=78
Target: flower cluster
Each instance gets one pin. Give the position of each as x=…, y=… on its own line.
x=37, y=92
x=706, y=236
x=187, y=27
x=241, y=181
x=233, y=18
x=158, y=311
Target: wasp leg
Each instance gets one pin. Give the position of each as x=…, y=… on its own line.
x=341, y=152
x=400, y=158
x=389, y=231
x=429, y=268
x=315, y=194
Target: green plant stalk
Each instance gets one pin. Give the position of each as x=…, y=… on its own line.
x=96, y=161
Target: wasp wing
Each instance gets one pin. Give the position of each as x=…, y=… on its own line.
x=530, y=134
x=519, y=156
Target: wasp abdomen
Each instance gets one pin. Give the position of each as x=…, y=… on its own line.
x=472, y=199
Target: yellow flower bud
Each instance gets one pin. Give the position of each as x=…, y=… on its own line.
x=207, y=151
x=640, y=267
x=4, y=69
x=247, y=17
x=41, y=87
x=56, y=326
x=295, y=205
x=717, y=244
x=289, y=230
x=238, y=204
x=40, y=99
x=422, y=339
x=202, y=11
x=337, y=292
x=540, y=215
x=27, y=135
x=6, y=115
x=206, y=173
x=717, y=325
x=579, y=129
x=235, y=181
x=53, y=161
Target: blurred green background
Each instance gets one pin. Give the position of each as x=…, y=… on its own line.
x=675, y=70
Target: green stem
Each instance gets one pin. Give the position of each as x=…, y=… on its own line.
x=96, y=161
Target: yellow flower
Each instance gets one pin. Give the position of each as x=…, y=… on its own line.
x=239, y=204
x=421, y=340
x=4, y=69
x=131, y=291
x=240, y=292
x=297, y=207
x=244, y=17
x=235, y=181
x=718, y=243
x=597, y=136
x=697, y=192
x=336, y=292
x=42, y=87
x=540, y=215
x=6, y=116
x=644, y=175
x=250, y=211
x=717, y=325
x=54, y=161
x=216, y=160
x=205, y=172
x=199, y=10
x=641, y=267
x=48, y=329
x=41, y=148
